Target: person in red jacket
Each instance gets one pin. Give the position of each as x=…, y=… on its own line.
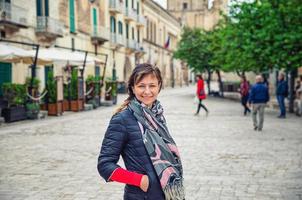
x=201, y=94
x=244, y=91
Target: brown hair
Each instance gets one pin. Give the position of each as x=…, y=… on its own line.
x=138, y=73
x=199, y=76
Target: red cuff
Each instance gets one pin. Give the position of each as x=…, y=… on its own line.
x=124, y=176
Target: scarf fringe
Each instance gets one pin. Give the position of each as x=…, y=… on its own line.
x=174, y=192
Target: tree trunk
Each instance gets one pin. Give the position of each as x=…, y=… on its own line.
x=209, y=81
x=291, y=92
x=220, y=83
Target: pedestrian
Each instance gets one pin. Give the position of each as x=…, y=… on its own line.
x=244, y=92
x=201, y=94
x=299, y=97
x=282, y=93
x=258, y=98
x=138, y=132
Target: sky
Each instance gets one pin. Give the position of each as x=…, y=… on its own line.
x=163, y=3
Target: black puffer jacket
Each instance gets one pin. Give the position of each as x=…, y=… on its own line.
x=123, y=137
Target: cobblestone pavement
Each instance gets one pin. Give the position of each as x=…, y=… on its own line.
x=223, y=157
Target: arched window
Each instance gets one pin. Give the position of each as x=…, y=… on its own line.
x=112, y=24
x=133, y=34
x=120, y=27
x=127, y=31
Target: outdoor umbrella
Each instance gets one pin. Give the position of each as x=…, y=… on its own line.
x=64, y=57
x=13, y=54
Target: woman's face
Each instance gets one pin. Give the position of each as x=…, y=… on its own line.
x=147, y=89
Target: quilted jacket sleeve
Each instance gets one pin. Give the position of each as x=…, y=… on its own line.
x=112, y=146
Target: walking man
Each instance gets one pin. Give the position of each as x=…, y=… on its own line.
x=281, y=93
x=258, y=98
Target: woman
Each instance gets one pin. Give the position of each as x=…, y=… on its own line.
x=138, y=132
x=201, y=94
x=244, y=91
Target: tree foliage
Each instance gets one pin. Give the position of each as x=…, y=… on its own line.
x=255, y=36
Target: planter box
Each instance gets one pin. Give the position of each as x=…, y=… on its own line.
x=77, y=105
x=55, y=109
x=43, y=106
x=14, y=114
x=66, y=106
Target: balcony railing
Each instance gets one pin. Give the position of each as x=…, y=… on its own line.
x=130, y=14
x=140, y=47
x=131, y=44
x=13, y=14
x=141, y=20
x=116, y=6
x=116, y=39
x=120, y=39
x=49, y=26
x=100, y=33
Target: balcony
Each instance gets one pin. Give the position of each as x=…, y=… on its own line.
x=141, y=21
x=12, y=17
x=49, y=27
x=130, y=14
x=116, y=40
x=100, y=34
x=130, y=45
x=140, y=48
x=116, y=6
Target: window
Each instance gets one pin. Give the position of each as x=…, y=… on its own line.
x=112, y=24
x=185, y=6
x=97, y=71
x=147, y=31
x=120, y=28
x=154, y=29
x=71, y=16
x=5, y=74
x=132, y=33
x=95, y=20
x=47, y=69
x=151, y=31
x=138, y=36
x=42, y=8
x=137, y=8
x=210, y=4
x=132, y=4
x=127, y=31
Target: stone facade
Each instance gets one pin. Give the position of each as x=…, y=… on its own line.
x=116, y=28
x=197, y=13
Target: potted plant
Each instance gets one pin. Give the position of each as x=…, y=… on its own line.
x=15, y=94
x=111, y=91
x=35, y=85
x=76, y=103
x=54, y=107
x=32, y=107
x=66, y=106
x=93, y=89
x=32, y=110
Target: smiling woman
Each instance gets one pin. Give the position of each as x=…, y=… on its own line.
x=138, y=131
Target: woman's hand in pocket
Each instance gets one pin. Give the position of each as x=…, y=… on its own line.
x=144, y=183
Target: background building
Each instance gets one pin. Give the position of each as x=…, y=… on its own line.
x=113, y=28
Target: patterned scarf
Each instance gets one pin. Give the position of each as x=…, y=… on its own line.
x=161, y=148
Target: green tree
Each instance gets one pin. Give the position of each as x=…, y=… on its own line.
x=193, y=48
x=260, y=36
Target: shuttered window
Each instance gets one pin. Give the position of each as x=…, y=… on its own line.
x=5, y=74
x=71, y=16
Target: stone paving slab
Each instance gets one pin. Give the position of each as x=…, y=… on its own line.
x=223, y=157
